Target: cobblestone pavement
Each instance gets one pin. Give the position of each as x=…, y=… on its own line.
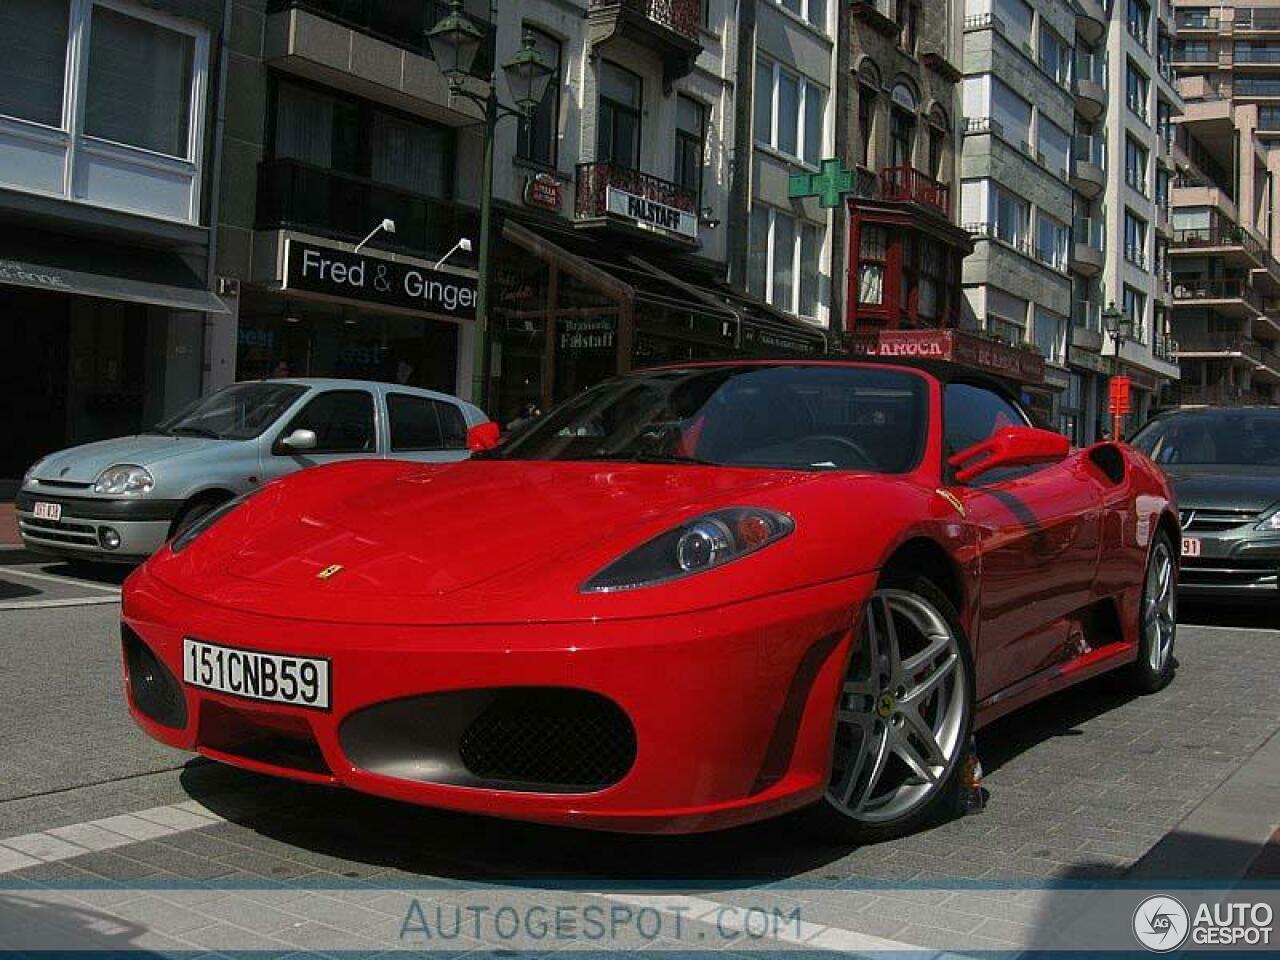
x=183, y=854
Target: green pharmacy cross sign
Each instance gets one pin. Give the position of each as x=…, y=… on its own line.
x=829, y=185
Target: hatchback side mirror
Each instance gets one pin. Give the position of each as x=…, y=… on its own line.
x=483, y=436
x=1010, y=447
x=299, y=440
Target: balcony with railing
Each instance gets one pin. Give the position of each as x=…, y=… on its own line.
x=1256, y=20
x=1217, y=395
x=672, y=28
x=401, y=23
x=1088, y=164
x=1231, y=297
x=1164, y=347
x=1220, y=345
x=1090, y=84
x=1088, y=245
x=1195, y=21
x=610, y=194
x=1255, y=87
x=1091, y=20
x=1220, y=237
x=1087, y=315
x=297, y=196
x=909, y=185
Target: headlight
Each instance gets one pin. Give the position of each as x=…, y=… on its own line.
x=710, y=541
x=1270, y=520
x=31, y=471
x=187, y=536
x=124, y=478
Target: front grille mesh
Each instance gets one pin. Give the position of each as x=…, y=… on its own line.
x=552, y=736
x=1208, y=521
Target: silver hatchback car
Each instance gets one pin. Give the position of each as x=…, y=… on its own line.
x=122, y=499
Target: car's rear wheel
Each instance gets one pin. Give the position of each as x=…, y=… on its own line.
x=1158, y=618
x=904, y=718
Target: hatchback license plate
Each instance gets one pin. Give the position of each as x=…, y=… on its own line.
x=273, y=677
x=1191, y=546
x=47, y=511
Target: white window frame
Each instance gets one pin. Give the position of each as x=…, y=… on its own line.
x=803, y=132
x=71, y=136
x=806, y=14
x=793, y=307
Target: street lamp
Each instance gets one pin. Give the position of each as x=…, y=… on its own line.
x=1119, y=327
x=455, y=43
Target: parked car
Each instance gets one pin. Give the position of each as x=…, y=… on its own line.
x=122, y=499
x=1225, y=466
x=685, y=599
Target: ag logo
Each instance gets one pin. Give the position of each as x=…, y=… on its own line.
x=1161, y=923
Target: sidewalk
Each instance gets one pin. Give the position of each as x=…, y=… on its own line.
x=8, y=526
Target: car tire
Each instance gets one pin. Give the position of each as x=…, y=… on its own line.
x=1157, y=619
x=873, y=696
x=192, y=512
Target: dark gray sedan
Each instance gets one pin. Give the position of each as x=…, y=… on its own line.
x=1225, y=468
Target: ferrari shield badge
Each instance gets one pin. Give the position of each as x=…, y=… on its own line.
x=330, y=571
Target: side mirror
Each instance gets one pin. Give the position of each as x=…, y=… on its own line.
x=483, y=436
x=1010, y=447
x=299, y=440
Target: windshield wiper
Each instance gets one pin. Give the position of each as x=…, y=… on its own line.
x=196, y=432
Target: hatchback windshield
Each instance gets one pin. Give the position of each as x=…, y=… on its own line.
x=796, y=417
x=1244, y=438
x=238, y=412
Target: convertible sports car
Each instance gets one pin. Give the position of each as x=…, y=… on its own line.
x=688, y=598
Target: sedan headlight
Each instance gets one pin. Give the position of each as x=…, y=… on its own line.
x=708, y=542
x=1270, y=520
x=188, y=536
x=124, y=478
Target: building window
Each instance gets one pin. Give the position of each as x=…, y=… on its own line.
x=1135, y=165
x=1136, y=87
x=1162, y=188
x=1135, y=239
x=1050, y=335
x=1139, y=21
x=33, y=55
x=908, y=17
x=785, y=256
x=1011, y=217
x=618, y=121
x=902, y=126
x=815, y=11
x=1007, y=114
x=1017, y=17
x=1051, y=241
x=690, y=140
x=1134, y=305
x=789, y=112
x=1053, y=147
x=932, y=279
x=939, y=133
x=866, y=123
x=538, y=138
x=872, y=253
x=1055, y=55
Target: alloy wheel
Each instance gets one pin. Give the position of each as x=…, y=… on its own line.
x=1159, y=607
x=901, y=716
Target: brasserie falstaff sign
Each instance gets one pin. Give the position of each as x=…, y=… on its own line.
x=314, y=268
x=651, y=214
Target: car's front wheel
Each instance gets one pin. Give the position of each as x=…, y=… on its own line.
x=1157, y=619
x=904, y=717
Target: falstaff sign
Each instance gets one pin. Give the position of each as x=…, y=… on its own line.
x=958, y=347
x=314, y=268
x=652, y=214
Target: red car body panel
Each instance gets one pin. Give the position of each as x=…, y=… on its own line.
x=468, y=576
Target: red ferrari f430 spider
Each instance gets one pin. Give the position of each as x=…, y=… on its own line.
x=688, y=598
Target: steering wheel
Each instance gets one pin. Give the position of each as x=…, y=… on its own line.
x=862, y=458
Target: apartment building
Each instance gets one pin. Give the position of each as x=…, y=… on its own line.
x=1226, y=316
x=108, y=119
x=1062, y=189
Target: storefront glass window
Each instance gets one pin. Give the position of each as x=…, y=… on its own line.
x=33, y=51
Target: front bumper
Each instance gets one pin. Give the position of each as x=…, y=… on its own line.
x=1236, y=564
x=142, y=525
x=731, y=708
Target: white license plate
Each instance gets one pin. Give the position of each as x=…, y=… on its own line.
x=273, y=677
x=1191, y=546
x=47, y=511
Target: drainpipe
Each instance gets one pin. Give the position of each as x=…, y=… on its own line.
x=737, y=222
x=842, y=82
x=215, y=172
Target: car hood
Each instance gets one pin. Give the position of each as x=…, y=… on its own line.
x=84, y=463
x=496, y=541
x=1225, y=488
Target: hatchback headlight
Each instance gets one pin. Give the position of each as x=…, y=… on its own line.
x=702, y=544
x=31, y=471
x=124, y=478
x=1270, y=520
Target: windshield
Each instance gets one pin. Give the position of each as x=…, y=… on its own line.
x=797, y=417
x=238, y=412
x=1245, y=438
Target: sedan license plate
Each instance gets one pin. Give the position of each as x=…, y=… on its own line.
x=47, y=511
x=1191, y=546
x=273, y=677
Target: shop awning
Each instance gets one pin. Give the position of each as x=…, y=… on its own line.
x=59, y=264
